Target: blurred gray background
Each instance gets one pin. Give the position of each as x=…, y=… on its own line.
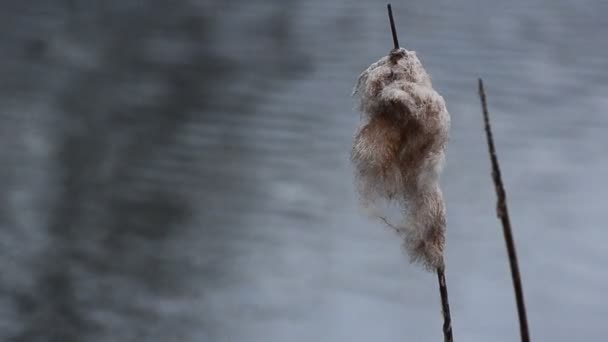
x=179, y=171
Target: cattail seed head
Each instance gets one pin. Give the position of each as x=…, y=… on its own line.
x=399, y=150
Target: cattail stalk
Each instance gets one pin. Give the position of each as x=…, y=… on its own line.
x=445, y=306
x=398, y=155
x=393, y=29
x=503, y=216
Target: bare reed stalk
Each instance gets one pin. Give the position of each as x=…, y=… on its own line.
x=503, y=215
x=445, y=306
x=393, y=29
x=443, y=288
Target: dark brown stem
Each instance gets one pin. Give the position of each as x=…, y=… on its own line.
x=393, y=29
x=445, y=306
x=503, y=215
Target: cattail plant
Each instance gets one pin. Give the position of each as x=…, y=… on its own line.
x=503, y=215
x=398, y=154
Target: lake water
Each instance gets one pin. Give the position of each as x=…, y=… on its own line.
x=265, y=240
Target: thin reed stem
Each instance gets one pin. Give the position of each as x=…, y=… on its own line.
x=445, y=306
x=393, y=29
x=503, y=215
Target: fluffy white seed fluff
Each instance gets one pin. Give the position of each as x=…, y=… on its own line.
x=399, y=150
